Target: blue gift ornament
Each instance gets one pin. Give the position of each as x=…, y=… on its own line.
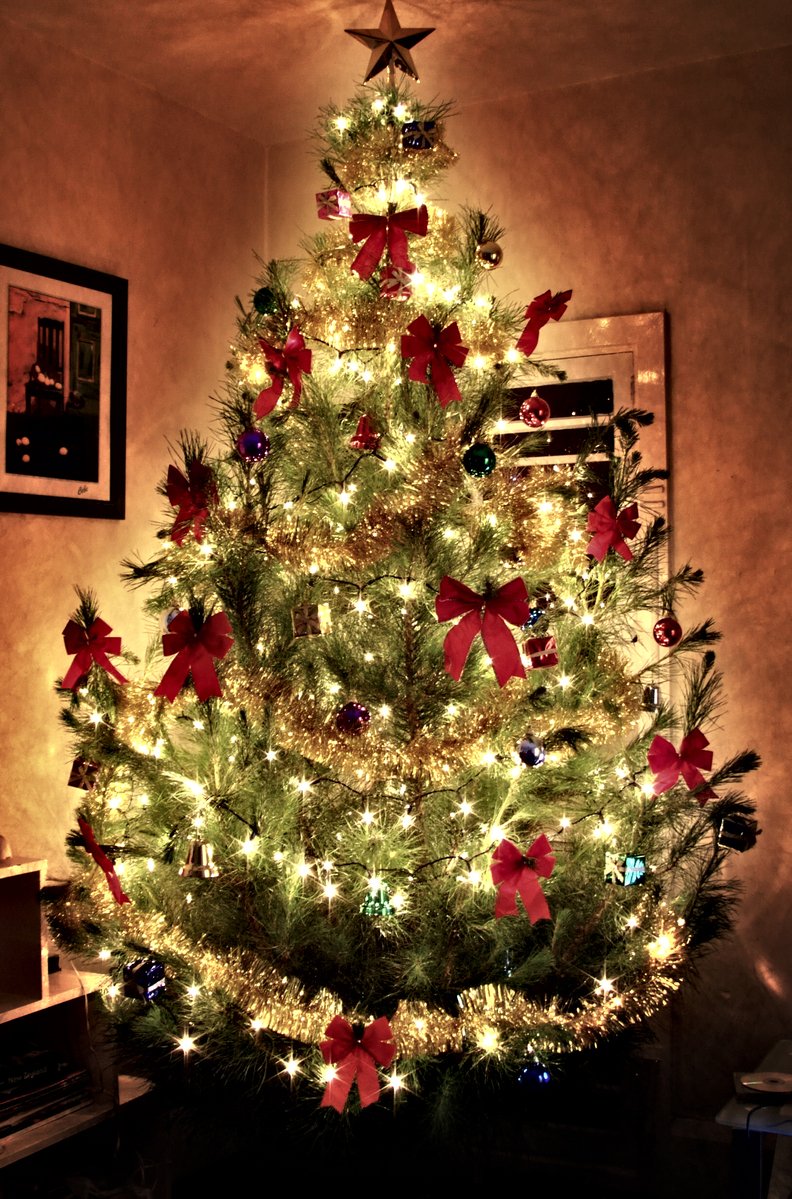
x=419, y=135
x=625, y=869
x=144, y=979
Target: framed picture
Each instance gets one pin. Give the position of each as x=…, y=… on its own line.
x=63, y=331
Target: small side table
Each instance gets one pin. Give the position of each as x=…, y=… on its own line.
x=751, y=1122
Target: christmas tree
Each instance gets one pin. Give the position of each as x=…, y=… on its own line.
x=415, y=779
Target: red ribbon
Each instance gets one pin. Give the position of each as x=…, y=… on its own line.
x=102, y=860
x=292, y=362
x=667, y=765
x=382, y=231
x=192, y=496
x=356, y=1058
x=610, y=529
x=89, y=646
x=194, y=650
x=516, y=873
x=433, y=354
x=542, y=309
x=485, y=615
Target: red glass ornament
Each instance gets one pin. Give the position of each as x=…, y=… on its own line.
x=535, y=412
x=667, y=632
x=353, y=719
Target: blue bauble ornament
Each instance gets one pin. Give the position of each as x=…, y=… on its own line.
x=479, y=461
x=352, y=719
x=253, y=445
x=533, y=1076
x=534, y=616
x=530, y=751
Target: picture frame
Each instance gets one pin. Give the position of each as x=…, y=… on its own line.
x=63, y=359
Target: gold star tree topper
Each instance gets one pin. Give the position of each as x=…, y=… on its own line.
x=390, y=45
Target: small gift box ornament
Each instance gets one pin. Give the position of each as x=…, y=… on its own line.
x=395, y=283
x=311, y=620
x=540, y=652
x=333, y=205
x=738, y=831
x=83, y=774
x=625, y=869
x=419, y=135
x=144, y=979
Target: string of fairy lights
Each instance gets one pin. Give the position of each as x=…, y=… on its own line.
x=381, y=787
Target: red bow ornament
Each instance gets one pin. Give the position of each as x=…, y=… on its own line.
x=377, y=232
x=433, y=353
x=542, y=309
x=292, y=362
x=667, y=765
x=516, y=873
x=356, y=1057
x=486, y=615
x=89, y=646
x=610, y=529
x=192, y=496
x=102, y=860
x=194, y=650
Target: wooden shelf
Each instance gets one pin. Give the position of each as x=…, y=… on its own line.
x=56, y=1128
x=67, y=984
x=59, y=1013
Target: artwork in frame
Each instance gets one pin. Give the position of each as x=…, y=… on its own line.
x=63, y=333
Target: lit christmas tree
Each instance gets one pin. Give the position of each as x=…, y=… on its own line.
x=405, y=780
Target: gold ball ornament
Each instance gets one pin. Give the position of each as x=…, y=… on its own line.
x=489, y=254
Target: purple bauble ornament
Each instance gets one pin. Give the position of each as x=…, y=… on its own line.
x=667, y=632
x=352, y=719
x=530, y=751
x=253, y=445
x=535, y=412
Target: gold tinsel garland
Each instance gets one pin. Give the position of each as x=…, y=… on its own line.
x=487, y=1013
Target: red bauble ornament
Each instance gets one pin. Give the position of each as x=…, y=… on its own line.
x=667, y=632
x=535, y=412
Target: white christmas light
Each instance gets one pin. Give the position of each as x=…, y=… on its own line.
x=489, y=1040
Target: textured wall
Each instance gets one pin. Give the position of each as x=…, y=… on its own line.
x=99, y=171
x=669, y=190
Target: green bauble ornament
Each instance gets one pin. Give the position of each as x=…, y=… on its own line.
x=265, y=301
x=377, y=902
x=479, y=461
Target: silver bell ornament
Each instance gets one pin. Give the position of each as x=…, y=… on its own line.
x=199, y=862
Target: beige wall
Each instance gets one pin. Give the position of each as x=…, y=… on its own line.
x=98, y=171
x=670, y=190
